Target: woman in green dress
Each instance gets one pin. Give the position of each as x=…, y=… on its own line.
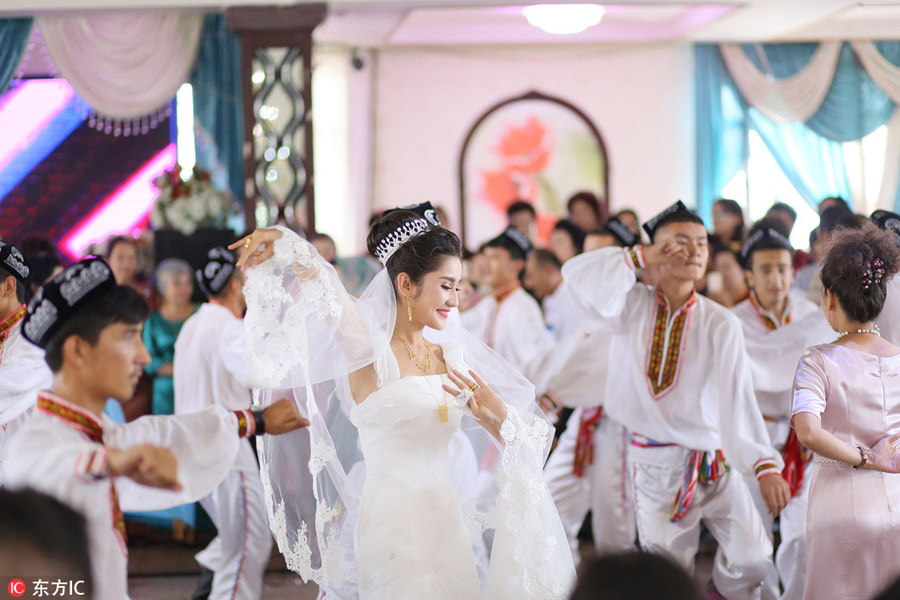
x=174, y=281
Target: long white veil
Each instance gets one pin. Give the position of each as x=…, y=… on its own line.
x=304, y=336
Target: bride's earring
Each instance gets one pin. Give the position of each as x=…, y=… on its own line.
x=408, y=310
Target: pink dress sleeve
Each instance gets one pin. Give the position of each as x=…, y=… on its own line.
x=810, y=384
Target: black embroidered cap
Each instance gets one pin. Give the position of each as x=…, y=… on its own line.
x=515, y=241
x=424, y=209
x=653, y=224
x=12, y=260
x=886, y=220
x=216, y=271
x=621, y=232
x=60, y=298
x=765, y=238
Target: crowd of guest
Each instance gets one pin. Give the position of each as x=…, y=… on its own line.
x=513, y=295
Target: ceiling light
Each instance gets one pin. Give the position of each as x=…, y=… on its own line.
x=563, y=19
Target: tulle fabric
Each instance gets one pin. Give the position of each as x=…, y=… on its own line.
x=304, y=336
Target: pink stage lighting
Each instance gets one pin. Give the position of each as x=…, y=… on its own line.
x=26, y=110
x=124, y=209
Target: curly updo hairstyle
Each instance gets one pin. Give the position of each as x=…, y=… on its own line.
x=420, y=255
x=849, y=256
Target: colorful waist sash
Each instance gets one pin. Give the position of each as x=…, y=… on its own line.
x=584, y=446
x=701, y=467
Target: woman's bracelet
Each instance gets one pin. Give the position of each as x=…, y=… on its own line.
x=863, y=458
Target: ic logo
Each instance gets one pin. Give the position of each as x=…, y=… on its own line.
x=16, y=588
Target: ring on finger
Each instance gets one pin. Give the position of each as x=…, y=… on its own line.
x=473, y=387
x=246, y=242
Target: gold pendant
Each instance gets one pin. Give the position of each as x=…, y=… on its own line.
x=444, y=413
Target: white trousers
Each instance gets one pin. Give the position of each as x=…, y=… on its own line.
x=744, y=558
x=605, y=489
x=238, y=555
x=790, y=559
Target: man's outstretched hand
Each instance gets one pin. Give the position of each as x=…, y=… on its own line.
x=283, y=417
x=148, y=465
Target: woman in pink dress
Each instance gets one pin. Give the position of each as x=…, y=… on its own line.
x=846, y=409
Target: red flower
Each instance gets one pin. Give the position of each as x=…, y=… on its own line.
x=523, y=150
x=526, y=147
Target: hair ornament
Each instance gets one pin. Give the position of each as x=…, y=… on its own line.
x=873, y=274
x=392, y=241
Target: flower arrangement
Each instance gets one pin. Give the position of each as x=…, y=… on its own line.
x=187, y=205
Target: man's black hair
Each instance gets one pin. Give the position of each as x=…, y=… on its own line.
x=519, y=206
x=682, y=216
x=36, y=527
x=122, y=304
x=767, y=243
x=546, y=258
x=634, y=576
x=838, y=216
x=784, y=207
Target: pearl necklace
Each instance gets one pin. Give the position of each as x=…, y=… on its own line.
x=843, y=333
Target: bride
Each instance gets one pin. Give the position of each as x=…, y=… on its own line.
x=420, y=475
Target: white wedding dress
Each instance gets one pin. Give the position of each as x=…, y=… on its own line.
x=411, y=539
x=382, y=500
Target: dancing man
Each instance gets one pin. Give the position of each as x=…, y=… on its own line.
x=587, y=471
x=210, y=371
x=23, y=370
x=90, y=330
x=510, y=320
x=682, y=386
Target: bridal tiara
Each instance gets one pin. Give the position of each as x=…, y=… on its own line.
x=392, y=241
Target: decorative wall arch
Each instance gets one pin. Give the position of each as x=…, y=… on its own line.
x=535, y=147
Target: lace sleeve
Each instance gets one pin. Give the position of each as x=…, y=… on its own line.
x=528, y=531
x=300, y=315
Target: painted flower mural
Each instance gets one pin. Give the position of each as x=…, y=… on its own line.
x=531, y=149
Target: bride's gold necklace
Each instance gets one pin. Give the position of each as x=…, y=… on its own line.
x=423, y=364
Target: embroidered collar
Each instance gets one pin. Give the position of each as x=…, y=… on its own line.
x=666, y=348
x=691, y=301
x=503, y=294
x=7, y=324
x=16, y=316
x=73, y=415
x=768, y=319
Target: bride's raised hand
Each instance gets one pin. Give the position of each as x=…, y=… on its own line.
x=256, y=247
x=485, y=404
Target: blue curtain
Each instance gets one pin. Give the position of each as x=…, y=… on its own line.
x=813, y=164
x=781, y=60
x=218, y=108
x=855, y=106
x=14, y=36
x=809, y=153
x=721, y=121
